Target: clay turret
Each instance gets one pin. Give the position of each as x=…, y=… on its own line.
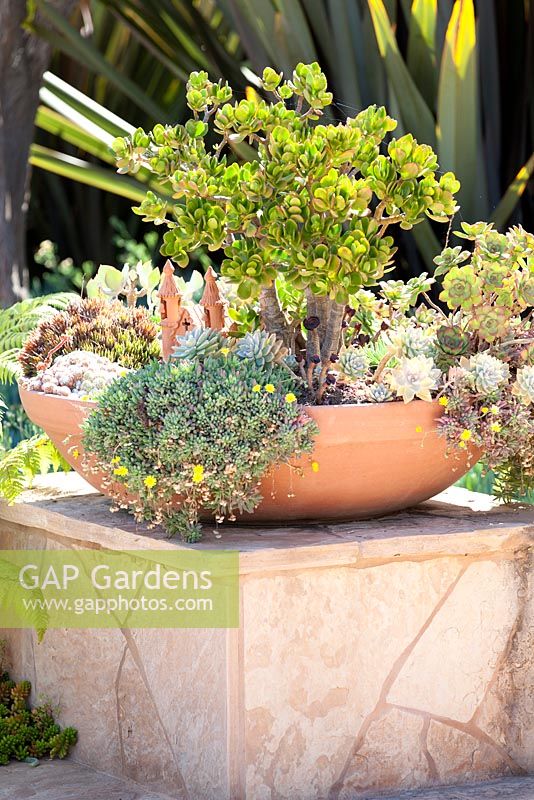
x=175, y=320
x=212, y=303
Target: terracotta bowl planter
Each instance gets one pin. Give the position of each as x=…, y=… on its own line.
x=372, y=459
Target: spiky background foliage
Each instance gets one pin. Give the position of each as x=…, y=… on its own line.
x=124, y=335
x=455, y=72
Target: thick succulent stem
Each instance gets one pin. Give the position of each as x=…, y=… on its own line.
x=324, y=340
x=332, y=337
x=272, y=315
x=313, y=347
x=320, y=307
x=323, y=312
x=384, y=361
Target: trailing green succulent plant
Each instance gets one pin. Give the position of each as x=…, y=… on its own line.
x=123, y=334
x=29, y=733
x=206, y=429
x=315, y=205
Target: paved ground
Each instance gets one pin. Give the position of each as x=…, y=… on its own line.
x=66, y=780
x=516, y=788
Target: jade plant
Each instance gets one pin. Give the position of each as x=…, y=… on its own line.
x=315, y=205
x=205, y=427
x=28, y=733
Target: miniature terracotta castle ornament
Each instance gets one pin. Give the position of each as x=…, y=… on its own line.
x=175, y=320
x=212, y=303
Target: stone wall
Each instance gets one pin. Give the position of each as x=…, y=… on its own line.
x=386, y=654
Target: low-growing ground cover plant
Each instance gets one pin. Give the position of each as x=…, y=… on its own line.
x=206, y=426
x=25, y=732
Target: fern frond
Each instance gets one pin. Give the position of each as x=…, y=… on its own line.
x=13, y=595
x=20, y=319
x=19, y=466
x=10, y=369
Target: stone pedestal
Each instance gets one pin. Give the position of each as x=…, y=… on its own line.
x=376, y=655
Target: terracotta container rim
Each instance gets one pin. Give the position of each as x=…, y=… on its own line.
x=367, y=441
x=321, y=408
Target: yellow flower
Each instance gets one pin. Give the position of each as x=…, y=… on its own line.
x=419, y=429
x=115, y=460
x=496, y=427
x=270, y=388
x=256, y=388
x=291, y=398
x=315, y=466
x=494, y=410
x=466, y=435
x=85, y=397
x=463, y=445
x=443, y=401
x=484, y=409
x=75, y=453
x=150, y=481
x=225, y=350
x=198, y=473
x=120, y=471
